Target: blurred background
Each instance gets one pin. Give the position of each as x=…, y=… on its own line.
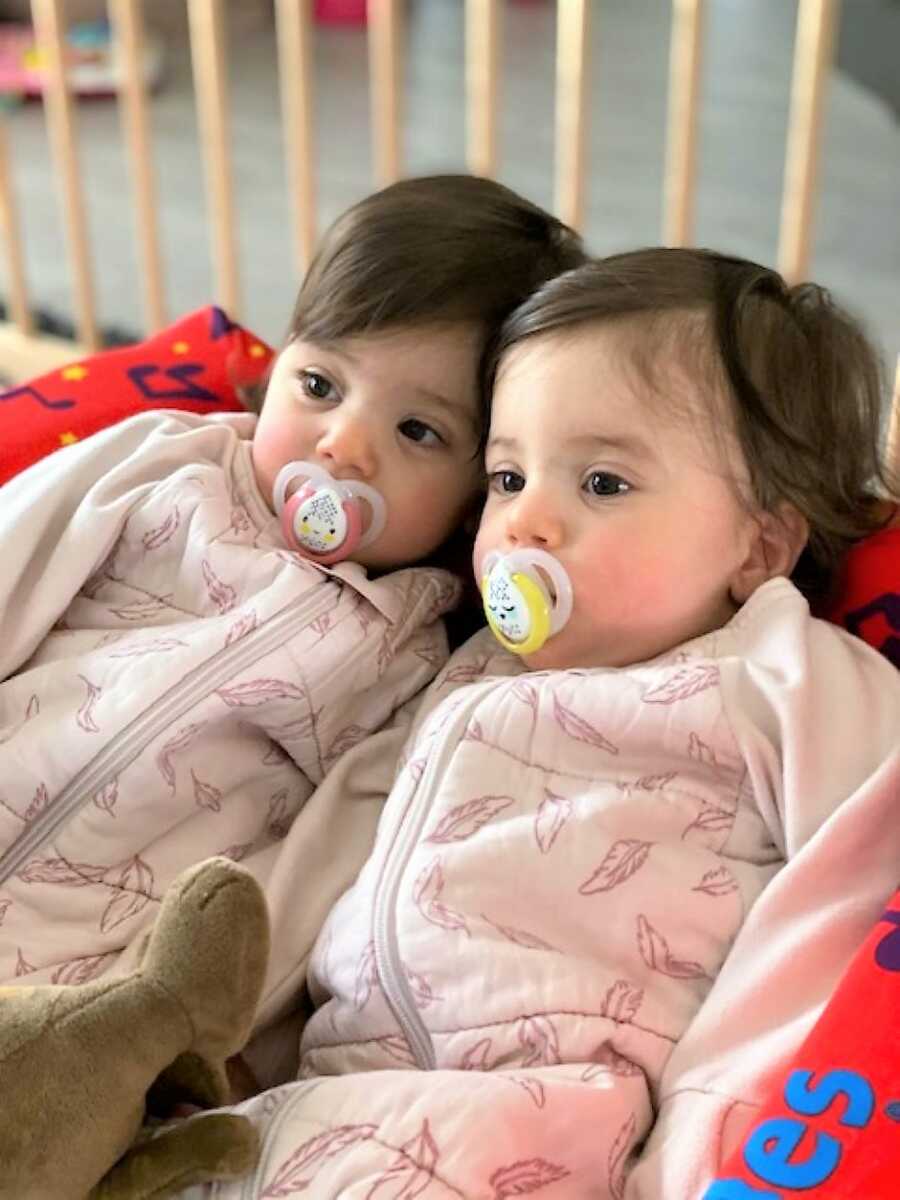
x=745, y=91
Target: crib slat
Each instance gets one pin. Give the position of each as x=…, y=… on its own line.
x=385, y=74
x=293, y=19
x=49, y=25
x=572, y=25
x=207, y=26
x=892, y=446
x=813, y=51
x=681, y=150
x=17, y=289
x=128, y=26
x=483, y=35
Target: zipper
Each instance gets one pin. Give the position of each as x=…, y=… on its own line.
x=172, y=705
x=253, y=1183
x=388, y=962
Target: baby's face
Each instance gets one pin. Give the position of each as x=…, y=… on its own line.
x=397, y=410
x=636, y=503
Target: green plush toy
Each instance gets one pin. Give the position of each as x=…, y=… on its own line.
x=77, y=1063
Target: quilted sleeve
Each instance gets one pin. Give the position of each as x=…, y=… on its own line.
x=61, y=517
x=817, y=714
x=815, y=711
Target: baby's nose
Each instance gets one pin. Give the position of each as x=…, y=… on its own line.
x=534, y=521
x=347, y=449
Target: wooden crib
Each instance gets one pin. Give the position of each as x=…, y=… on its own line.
x=24, y=352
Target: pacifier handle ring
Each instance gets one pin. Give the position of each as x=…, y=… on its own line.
x=289, y=472
x=561, y=609
x=352, y=489
x=378, y=508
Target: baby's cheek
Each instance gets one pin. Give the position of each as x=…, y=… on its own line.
x=436, y=506
x=265, y=465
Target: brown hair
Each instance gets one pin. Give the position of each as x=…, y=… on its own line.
x=433, y=250
x=804, y=382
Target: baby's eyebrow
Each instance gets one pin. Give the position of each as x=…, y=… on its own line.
x=459, y=407
x=501, y=443
x=589, y=443
x=622, y=443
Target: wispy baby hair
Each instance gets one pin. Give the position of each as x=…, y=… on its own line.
x=804, y=382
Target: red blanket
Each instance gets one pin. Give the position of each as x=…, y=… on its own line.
x=831, y=1128
x=868, y=598
x=202, y=363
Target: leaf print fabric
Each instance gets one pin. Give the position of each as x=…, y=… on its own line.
x=561, y=869
x=177, y=683
x=560, y=872
x=440, y=1136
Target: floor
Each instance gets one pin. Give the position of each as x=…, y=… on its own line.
x=744, y=115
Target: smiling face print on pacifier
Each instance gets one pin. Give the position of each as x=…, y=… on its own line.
x=527, y=597
x=323, y=518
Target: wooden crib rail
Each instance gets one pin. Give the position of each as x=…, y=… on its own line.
x=126, y=17
x=49, y=27
x=483, y=34
x=9, y=230
x=572, y=79
x=892, y=442
x=386, y=82
x=813, y=53
x=293, y=25
x=207, y=24
x=684, y=95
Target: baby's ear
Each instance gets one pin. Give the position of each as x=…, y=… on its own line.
x=776, y=544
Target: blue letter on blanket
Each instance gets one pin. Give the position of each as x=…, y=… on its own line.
x=812, y=1101
x=736, y=1189
x=769, y=1148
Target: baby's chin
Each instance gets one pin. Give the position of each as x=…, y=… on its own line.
x=564, y=653
x=556, y=655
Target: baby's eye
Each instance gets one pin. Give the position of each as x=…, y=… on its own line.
x=418, y=431
x=316, y=385
x=506, y=482
x=604, y=483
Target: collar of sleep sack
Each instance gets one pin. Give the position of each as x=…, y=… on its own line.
x=386, y=594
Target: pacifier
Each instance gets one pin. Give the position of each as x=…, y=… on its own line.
x=527, y=597
x=324, y=518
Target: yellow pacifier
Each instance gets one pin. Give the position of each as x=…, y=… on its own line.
x=527, y=598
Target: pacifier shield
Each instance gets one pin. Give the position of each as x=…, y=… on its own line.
x=320, y=523
x=506, y=607
x=527, y=597
x=325, y=518
x=517, y=609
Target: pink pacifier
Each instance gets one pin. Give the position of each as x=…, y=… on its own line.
x=527, y=597
x=325, y=518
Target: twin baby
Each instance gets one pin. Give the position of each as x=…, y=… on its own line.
x=666, y=454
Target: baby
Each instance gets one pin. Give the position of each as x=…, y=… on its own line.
x=589, y=809
x=200, y=615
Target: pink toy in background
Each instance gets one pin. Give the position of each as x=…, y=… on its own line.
x=340, y=12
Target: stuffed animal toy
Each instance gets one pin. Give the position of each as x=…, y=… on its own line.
x=77, y=1063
